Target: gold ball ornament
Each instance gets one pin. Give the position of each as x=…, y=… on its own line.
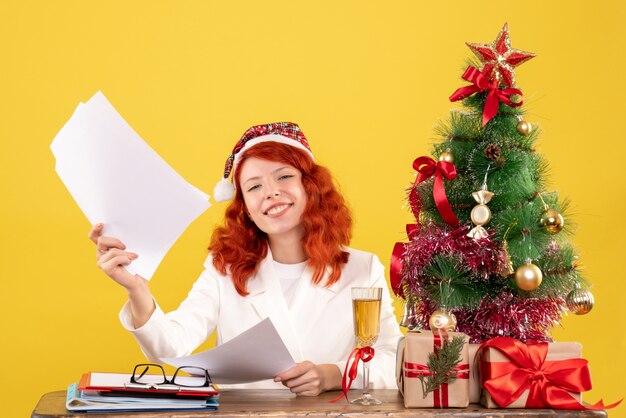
x=524, y=128
x=446, y=156
x=528, y=277
x=442, y=319
x=579, y=301
x=552, y=221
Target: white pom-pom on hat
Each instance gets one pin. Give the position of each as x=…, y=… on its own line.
x=223, y=191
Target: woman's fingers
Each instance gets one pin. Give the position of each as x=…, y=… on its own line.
x=302, y=379
x=113, y=263
x=115, y=269
x=115, y=253
x=114, y=258
x=105, y=244
x=95, y=232
x=306, y=390
x=309, y=386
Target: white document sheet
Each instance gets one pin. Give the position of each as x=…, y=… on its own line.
x=117, y=179
x=256, y=354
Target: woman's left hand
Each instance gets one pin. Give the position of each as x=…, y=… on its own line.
x=310, y=379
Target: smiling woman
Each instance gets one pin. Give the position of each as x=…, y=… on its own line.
x=320, y=222
x=281, y=253
x=275, y=200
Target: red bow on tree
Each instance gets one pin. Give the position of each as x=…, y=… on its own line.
x=426, y=167
x=481, y=82
x=548, y=382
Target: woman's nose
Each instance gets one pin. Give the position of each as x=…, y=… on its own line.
x=272, y=193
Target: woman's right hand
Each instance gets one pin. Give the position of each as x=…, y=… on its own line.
x=112, y=258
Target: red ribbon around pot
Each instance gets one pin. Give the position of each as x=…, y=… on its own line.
x=548, y=382
x=481, y=82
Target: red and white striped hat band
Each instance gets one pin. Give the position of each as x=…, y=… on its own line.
x=282, y=132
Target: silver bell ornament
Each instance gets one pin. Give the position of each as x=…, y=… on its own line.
x=409, y=318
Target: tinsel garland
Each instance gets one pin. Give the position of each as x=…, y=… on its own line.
x=481, y=257
x=505, y=314
x=501, y=312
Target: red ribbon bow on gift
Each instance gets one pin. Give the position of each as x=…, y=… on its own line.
x=364, y=354
x=548, y=382
x=481, y=82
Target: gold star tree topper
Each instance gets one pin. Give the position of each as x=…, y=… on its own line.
x=500, y=58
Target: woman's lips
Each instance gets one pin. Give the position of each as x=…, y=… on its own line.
x=278, y=209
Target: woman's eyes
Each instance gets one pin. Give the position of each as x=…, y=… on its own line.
x=258, y=186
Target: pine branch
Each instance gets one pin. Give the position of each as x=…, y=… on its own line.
x=442, y=363
x=449, y=283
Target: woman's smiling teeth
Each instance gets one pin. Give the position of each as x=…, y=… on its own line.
x=275, y=210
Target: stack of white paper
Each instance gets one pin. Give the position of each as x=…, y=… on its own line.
x=116, y=178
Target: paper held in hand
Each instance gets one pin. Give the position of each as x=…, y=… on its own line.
x=256, y=354
x=116, y=178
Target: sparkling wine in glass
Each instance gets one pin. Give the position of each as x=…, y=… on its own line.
x=366, y=315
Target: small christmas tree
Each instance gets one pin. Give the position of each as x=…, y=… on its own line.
x=489, y=254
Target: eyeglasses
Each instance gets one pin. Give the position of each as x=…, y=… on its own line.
x=152, y=375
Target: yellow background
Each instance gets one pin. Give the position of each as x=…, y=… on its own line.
x=365, y=80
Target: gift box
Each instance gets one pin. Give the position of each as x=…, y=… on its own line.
x=412, y=371
x=475, y=385
x=541, y=375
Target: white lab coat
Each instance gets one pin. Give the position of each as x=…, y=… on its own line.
x=318, y=327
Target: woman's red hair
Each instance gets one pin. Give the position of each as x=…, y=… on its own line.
x=240, y=245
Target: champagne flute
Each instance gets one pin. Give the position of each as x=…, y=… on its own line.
x=366, y=315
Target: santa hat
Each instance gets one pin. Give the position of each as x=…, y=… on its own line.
x=282, y=132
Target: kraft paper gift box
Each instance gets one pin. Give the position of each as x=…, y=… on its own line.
x=489, y=355
x=412, y=360
x=475, y=385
